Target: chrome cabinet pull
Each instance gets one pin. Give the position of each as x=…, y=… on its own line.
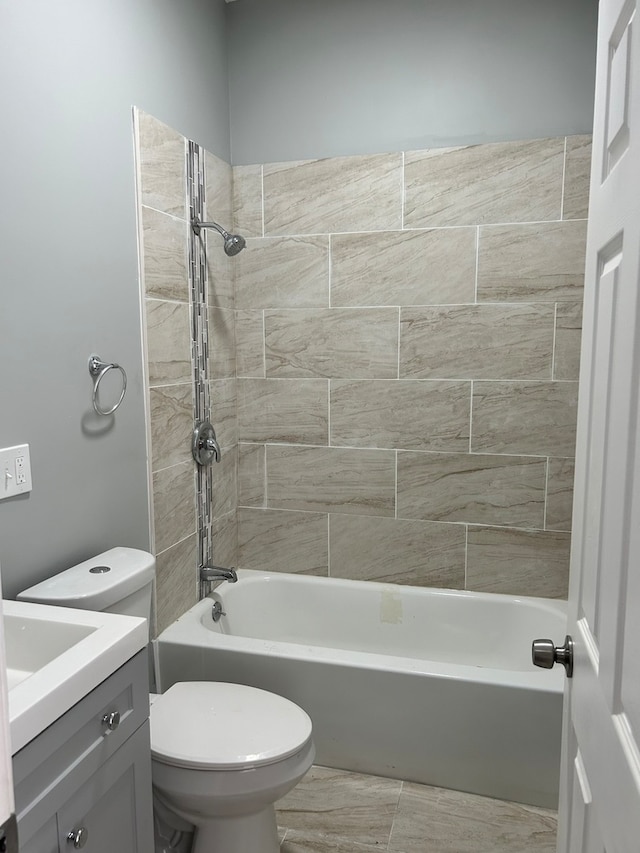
x=78, y=837
x=111, y=721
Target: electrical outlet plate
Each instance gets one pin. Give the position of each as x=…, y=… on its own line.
x=15, y=471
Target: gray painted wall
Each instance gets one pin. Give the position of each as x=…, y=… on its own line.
x=321, y=78
x=70, y=72
x=308, y=78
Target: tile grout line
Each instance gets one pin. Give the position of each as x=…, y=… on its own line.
x=462, y=380
x=424, y=521
x=355, y=231
x=368, y=447
x=395, y=814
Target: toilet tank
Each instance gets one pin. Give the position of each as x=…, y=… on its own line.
x=116, y=581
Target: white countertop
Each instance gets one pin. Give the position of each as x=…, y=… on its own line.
x=56, y=656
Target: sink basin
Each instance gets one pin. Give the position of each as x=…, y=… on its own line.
x=56, y=655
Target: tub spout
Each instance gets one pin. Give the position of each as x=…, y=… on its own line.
x=217, y=573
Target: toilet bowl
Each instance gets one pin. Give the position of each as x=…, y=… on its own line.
x=221, y=754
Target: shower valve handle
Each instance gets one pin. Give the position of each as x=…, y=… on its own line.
x=212, y=445
x=204, y=444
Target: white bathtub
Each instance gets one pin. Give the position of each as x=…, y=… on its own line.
x=433, y=686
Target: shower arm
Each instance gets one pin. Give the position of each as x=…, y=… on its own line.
x=197, y=227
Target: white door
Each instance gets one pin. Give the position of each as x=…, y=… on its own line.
x=600, y=784
x=7, y=817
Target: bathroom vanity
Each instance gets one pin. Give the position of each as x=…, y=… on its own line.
x=85, y=781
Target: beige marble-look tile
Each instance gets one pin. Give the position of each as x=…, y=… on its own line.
x=174, y=504
x=560, y=494
x=331, y=479
x=409, y=414
x=472, y=488
x=171, y=419
x=566, y=359
x=219, y=208
x=176, y=581
x=359, y=193
x=247, y=200
x=350, y=343
x=225, y=483
x=283, y=272
x=297, y=841
x=577, y=174
x=220, y=271
x=497, y=182
x=218, y=190
x=518, y=562
x=536, y=418
x=476, y=342
x=537, y=262
x=168, y=342
x=249, y=343
x=437, y=820
x=294, y=411
x=223, y=396
x=225, y=540
x=162, y=162
x=404, y=267
x=341, y=805
x=165, y=256
x=394, y=550
x=222, y=343
x=279, y=541
x=251, y=474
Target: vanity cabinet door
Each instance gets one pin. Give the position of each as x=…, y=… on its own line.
x=112, y=810
x=45, y=839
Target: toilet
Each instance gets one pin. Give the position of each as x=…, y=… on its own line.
x=221, y=754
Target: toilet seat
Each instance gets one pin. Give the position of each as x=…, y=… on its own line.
x=209, y=725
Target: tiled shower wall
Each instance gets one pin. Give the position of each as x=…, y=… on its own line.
x=163, y=215
x=407, y=347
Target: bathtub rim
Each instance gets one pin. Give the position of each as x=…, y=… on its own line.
x=189, y=628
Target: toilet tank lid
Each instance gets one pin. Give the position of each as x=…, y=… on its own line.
x=124, y=571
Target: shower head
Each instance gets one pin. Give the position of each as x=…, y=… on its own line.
x=233, y=243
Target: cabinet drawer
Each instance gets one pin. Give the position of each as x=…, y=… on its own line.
x=79, y=742
x=113, y=808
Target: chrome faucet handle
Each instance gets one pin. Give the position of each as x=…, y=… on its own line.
x=204, y=444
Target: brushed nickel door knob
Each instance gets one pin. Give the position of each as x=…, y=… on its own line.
x=545, y=654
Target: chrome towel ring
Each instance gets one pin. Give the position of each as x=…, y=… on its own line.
x=97, y=369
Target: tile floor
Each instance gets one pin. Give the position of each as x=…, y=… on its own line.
x=334, y=811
